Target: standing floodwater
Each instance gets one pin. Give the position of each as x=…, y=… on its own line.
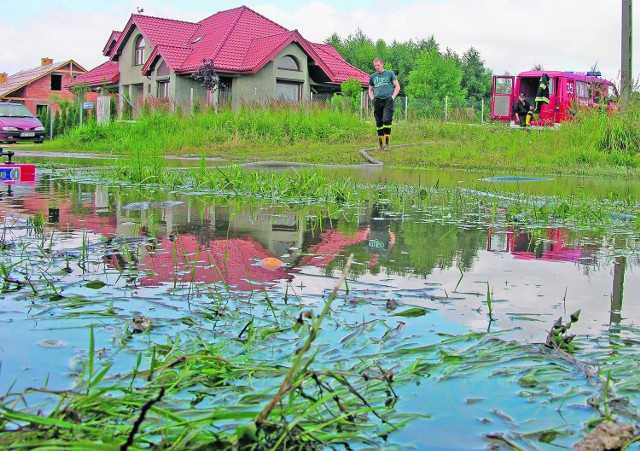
x=436, y=340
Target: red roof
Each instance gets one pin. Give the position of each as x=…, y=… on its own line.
x=28, y=76
x=239, y=41
x=106, y=73
x=109, y=47
x=234, y=261
x=331, y=245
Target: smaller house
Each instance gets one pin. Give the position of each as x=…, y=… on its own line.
x=34, y=87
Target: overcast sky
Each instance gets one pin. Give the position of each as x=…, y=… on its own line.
x=511, y=35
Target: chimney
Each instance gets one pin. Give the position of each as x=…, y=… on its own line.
x=3, y=77
x=46, y=61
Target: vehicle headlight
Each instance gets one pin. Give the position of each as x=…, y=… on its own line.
x=39, y=129
x=9, y=129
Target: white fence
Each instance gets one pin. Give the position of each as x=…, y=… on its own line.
x=448, y=110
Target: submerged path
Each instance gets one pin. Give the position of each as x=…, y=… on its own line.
x=366, y=153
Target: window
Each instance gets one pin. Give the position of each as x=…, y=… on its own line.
x=56, y=82
x=288, y=91
x=582, y=90
x=139, y=51
x=163, y=89
x=288, y=63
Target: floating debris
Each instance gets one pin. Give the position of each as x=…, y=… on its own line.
x=271, y=263
x=151, y=205
x=140, y=324
x=52, y=343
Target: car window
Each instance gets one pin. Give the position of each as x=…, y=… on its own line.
x=14, y=111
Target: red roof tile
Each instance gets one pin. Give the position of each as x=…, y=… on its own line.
x=173, y=56
x=106, y=73
x=342, y=70
x=110, y=46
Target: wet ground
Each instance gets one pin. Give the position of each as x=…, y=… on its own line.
x=455, y=302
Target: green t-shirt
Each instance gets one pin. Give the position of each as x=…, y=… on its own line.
x=382, y=84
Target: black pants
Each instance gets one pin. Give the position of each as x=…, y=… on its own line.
x=383, y=114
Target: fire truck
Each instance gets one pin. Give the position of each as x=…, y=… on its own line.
x=567, y=93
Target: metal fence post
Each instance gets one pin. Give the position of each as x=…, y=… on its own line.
x=446, y=108
x=406, y=108
x=482, y=112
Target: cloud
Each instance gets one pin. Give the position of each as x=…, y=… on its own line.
x=510, y=35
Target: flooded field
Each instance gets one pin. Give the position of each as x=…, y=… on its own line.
x=197, y=304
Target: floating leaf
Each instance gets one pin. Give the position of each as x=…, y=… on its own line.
x=95, y=284
x=548, y=436
x=412, y=312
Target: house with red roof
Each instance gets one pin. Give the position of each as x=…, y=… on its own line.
x=254, y=58
x=34, y=87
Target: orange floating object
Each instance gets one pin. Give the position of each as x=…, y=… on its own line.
x=271, y=263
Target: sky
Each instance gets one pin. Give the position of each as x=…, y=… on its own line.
x=511, y=35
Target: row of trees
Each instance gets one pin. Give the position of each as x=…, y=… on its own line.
x=423, y=70
x=65, y=117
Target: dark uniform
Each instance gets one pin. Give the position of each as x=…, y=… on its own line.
x=542, y=95
x=521, y=108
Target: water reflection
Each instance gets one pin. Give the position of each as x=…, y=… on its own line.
x=553, y=244
x=184, y=239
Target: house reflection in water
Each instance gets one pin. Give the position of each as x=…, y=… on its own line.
x=550, y=244
x=206, y=244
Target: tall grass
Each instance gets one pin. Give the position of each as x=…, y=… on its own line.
x=593, y=141
x=206, y=129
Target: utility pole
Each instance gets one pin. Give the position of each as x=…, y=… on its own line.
x=626, y=79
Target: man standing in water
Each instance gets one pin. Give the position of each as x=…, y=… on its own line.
x=383, y=90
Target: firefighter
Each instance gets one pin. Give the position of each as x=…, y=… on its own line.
x=521, y=110
x=383, y=90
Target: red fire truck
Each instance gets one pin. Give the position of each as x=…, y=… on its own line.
x=568, y=91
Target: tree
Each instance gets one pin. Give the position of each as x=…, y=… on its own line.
x=207, y=77
x=351, y=90
x=476, y=79
x=357, y=49
x=402, y=58
x=435, y=77
x=428, y=44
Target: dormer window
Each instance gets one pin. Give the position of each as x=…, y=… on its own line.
x=139, y=51
x=288, y=62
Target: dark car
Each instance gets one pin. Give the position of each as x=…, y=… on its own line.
x=18, y=124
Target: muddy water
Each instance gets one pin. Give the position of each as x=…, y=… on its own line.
x=158, y=254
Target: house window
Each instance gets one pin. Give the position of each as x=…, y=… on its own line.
x=56, y=82
x=288, y=63
x=288, y=91
x=163, y=89
x=139, y=51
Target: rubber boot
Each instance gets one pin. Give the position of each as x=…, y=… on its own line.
x=381, y=142
x=528, y=119
x=387, y=138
